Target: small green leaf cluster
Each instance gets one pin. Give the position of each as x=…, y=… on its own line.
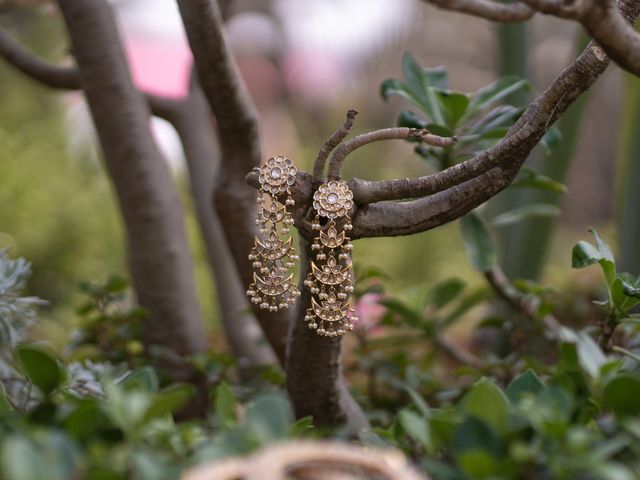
x=478, y=120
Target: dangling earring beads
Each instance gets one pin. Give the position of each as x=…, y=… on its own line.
x=273, y=259
x=330, y=279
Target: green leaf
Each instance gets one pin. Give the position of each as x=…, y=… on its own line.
x=527, y=383
x=552, y=410
x=418, y=401
x=551, y=139
x=531, y=210
x=40, y=366
x=415, y=426
x=603, y=247
x=584, y=254
x=269, y=417
x=409, y=119
x=301, y=426
x=446, y=291
x=528, y=178
x=144, y=379
x=437, y=77
x=478, y=244
x=488, y=403
x=622, y=395
x=474, y=435
x=630, y=290
x=477, y=463
x=420, y=89
x=589, y=354
x=225, y=405
x=409, y=315
x=455, y=106
x=502, y=116
x=169, y=400
x=496, y=91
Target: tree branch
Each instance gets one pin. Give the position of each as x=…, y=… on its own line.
x=609, y=23
x=488, y=9
x=61, y=76
x=193, y=122
x=332, y=142
x=239, y=141
x=399, y=133
x=314, y=373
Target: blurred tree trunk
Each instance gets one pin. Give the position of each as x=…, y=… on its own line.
x=628, y=179
x=158, y=252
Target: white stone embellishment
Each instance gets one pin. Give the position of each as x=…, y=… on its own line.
x=332, y=198
x=276, y=173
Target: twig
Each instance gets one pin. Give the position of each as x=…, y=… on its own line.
x=626, y=352
x=332, y=142
x=608, y=328
x=488, y=9
x=399, y=133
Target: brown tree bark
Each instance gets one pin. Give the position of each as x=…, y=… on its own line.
x=158, y=252
x=239, y=140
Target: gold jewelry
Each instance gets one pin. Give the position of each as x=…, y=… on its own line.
x=273, y=287
x=330, y=279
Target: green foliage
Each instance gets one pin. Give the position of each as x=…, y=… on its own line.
x=479, y=120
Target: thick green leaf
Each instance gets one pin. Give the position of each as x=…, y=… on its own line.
x=409, y=119
x=551, y=139
x=269, y=417
x=496, y=91
x=478, y=243
x=420, y=89
x=301, y=426
x=409, y=315
x=502, y=116
x=446, y=291
x=225, y=405
x=531, y=210
x=477, y=463
x=145, y=379
x=527, y=383
x=529, y=178
x=454, y=106
x=584, y=254
x=169, y=400
x=474, y=435
x=622, y=395
x=487, y=402
x=415, y=426
x=603, y=247
x=40, y=366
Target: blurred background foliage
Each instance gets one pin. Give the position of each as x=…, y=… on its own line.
x=57, y=208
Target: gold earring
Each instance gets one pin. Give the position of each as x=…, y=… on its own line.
x=273, y=258
x=330, y=279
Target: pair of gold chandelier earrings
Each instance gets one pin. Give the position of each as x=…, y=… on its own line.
x=330, y=279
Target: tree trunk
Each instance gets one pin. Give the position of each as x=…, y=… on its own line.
x=314, y=373
x=158, y=252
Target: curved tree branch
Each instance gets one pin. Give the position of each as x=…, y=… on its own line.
x=398, y=133
x=62, y=76
x=608, y=22
x=332, y=142
x=239, y=141
x=488, y=9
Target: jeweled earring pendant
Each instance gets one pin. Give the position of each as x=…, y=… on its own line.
x=331, y=277
x=274, y=258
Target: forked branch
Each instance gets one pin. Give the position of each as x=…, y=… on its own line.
x=332, y=142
